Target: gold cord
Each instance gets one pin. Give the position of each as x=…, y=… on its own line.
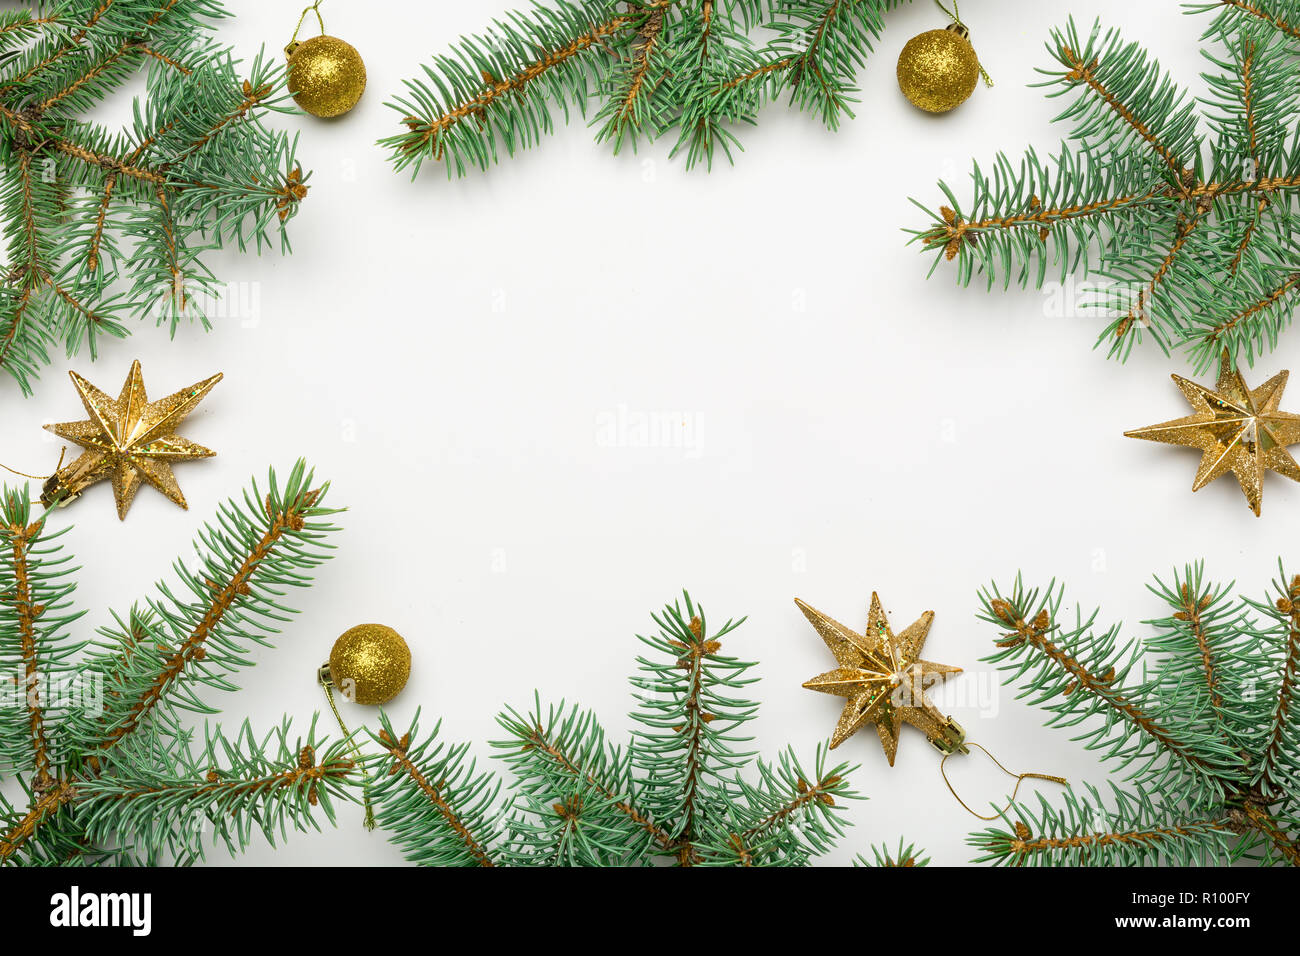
x=57, y=468
x=328, y=685
x=23, y=474
x=1020, y=778
x=954, y=14
x=314, y=8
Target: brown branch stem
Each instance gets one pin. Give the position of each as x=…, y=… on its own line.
x=428, y=129
x=28, y=612
x=538, y=740
x=223, y=599
x=1025, y=844
x=434, y=795
x=1085, y=73
x=1227, y=325
x=1036, y=634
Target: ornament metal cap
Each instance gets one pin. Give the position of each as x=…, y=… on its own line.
x=960, y=29
x=950, y=738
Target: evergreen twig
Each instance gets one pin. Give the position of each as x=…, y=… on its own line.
x=111, y=772
x=1191, y=232
x=104, y=227
x=693, y=70
x=1203, y=731
x=678, y=792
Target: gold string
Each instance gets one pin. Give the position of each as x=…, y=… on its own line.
x=57, y=468
x=327, y=684
x=1020, y=778
x=954, y=14
x=23, y=474
x=314, y=8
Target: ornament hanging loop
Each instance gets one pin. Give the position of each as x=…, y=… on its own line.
x=1020, y=778
x=23, y=474
x=326, y=682
x=54, y=491
x=314, y=8
x=957, y=27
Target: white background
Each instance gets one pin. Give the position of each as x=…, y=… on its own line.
x=446, y=354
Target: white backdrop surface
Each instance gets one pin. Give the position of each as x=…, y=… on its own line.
x=471, y=364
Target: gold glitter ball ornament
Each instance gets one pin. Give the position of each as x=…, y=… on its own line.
x=370, y=664
x=938, y=70
x=326, y=75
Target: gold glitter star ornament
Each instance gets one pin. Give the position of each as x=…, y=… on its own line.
x=1236, y=428
x=883, y=680
x=128, y=440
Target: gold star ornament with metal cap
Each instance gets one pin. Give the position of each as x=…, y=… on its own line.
x=884, y=680
x=1236, y=428
x=127, y=440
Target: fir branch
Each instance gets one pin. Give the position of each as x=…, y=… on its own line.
x=233, y=785
x=1194, y=605
x=1182, y=234
x=1194, y=233
x=574, y=747
x=201, y=154
x=118, y=768
x=95, y=71
x=286, y=518
x=782, y=819
x=693, y=755
x=806, y=794
x=1286, y=845
x=687, y=719
x=669, y=63
x=439, y=808
x=107, y=163
x=630, y=108
x=579, y=828
x=882, y=856
x=46, y=806
x=1076, y=677
x=1256, y=11
x=1272, y=297
x=677, y=793
x=1137, y=832
x=1247, y=67
x=34, y=650
x=28, y=249
x=22, y=342
x=1282, y=726
x=251, y=98
x=1086, y=73
x=430, y=117
x=24, y=23
x=1234, y=267
x=397, y=750
x=1085, y=846
x=1218, y=705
